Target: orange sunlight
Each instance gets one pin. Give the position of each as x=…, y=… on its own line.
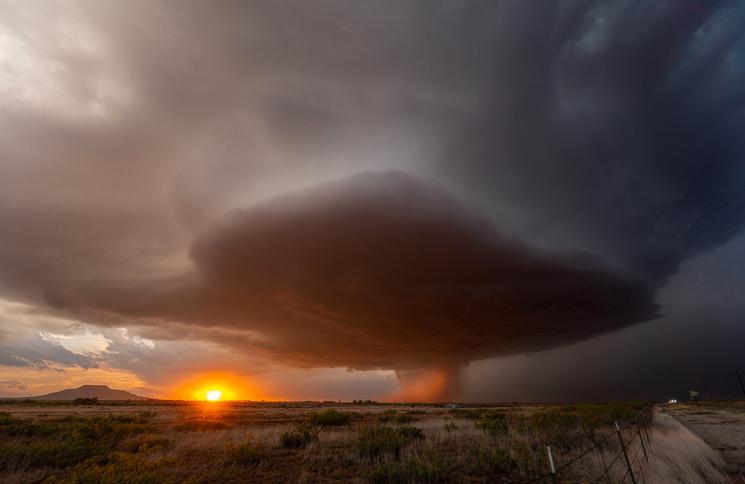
x=215, y=387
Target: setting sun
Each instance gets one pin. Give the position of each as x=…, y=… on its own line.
x=214, y=386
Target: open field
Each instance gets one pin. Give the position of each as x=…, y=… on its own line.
x=309, y=442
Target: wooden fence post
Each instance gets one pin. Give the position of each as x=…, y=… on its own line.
x=625, y=454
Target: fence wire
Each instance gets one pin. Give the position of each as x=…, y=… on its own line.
x=630, y=449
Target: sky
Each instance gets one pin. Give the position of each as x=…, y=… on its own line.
x=337, y=200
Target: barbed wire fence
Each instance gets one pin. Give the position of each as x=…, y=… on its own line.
x=624, y=452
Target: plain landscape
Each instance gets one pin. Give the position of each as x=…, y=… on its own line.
x=370, y=242
x=177, y=441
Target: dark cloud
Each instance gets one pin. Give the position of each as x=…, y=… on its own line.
x=612, y=128
x=613, y=133
x=386, y=271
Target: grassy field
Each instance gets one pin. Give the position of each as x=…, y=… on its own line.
x=309, y=442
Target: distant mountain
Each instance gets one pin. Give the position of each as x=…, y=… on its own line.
x=102, y=392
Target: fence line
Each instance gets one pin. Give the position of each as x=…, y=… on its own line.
x=630, y=454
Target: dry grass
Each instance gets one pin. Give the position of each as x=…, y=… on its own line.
x=677, y=455
x=722, y=426
x=369, y=443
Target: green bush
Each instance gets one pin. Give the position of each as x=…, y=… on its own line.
x=553, y=420
x=399, y=419
x=330, y=418
x=487, y=462
x=17, y=455
x=119, y=468
x=63, y=442
x=148, y=443
x=16, y=427
x=298, y=438
x=555, y=427
x=597, y=415
x=410, y=432
x=104, y=430
x=375, y=441
x=493, y=424
x=247, y=454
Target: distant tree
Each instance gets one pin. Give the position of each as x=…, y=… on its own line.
x=85, y=401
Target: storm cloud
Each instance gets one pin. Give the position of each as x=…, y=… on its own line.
x=389, y=185
x=386, y=271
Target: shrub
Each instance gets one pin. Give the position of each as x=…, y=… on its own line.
x=470, y=414
x=429, y=464
x=552, y=420
x=148, y=443
x=145, y=416
x=402, y=472
x=597, y=415
x=298, y=438
x=493, y=424
x=247, y=454
x=16, y=427
x=104, y=430
x=200, y=425
x=554, y=426
x=486, y=462
x=119, y=468
x=411, y=433
x=85, y=401
x=63, y=442
x=17, y=455
x=374, y=441
x=330, y=418
x=399, y=419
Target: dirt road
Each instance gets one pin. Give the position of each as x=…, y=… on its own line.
x=719, y=424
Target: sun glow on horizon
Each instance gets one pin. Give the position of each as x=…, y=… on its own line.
x=215, y=386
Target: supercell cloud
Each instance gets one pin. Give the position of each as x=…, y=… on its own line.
x=385, y=271
x=368, y=185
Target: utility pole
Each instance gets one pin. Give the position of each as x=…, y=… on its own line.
x=742, y=387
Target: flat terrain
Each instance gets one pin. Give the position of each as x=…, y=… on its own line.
x=719, y=424
x=163, y=442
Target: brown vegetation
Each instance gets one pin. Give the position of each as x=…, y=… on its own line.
x=232, y=441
